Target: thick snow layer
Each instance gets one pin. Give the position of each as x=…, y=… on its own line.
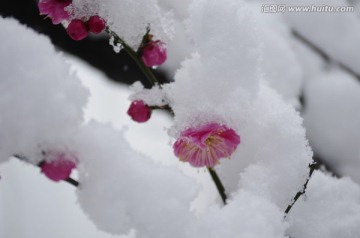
x=284, y=73
x=271, y=131
x=247, y=215
x=41, y=102
x=124, y=190
x=32, y=206
x=332, y=119
x=128, y=18
x=331, y=209
x=121, y=189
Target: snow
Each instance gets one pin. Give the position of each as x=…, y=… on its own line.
x=129, y=19
x=247, y=215
x=135, y=188
x=284, y=74
x=330, y=209
x=240, y=100
x=41, y=102
x=152, y=97
x=33, y=206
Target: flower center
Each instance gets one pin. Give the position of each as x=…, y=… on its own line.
x=209, y=141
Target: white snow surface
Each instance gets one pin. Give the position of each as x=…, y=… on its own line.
x=330, y=209
x=271, y=131
x=41, y=101
x=280, y=64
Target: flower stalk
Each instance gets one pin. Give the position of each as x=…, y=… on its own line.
x=218, y=184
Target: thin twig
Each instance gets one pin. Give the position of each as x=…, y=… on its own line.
x=312, y=168
x=218, y=184
x=323, y=54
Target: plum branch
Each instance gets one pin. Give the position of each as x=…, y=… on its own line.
x=312, y=168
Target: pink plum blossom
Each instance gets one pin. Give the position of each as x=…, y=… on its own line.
x=154, y=53
x=96, y=24
x=77, y=29
x=54, y=9
x=60, y=167
x=206, y=145
x=139, y=111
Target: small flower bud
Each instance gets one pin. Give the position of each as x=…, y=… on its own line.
x=77, y=30
x=139, y=111
x=59, y=168
x=96, y=24
x=154, y=53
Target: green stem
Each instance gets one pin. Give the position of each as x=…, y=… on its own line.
x=146, y=70
x=218, y=184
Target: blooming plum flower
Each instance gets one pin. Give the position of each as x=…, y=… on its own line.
x=139, y=111
x=96, y=24
x=206, y=145
x=154, y=53
x=60, y=167
x=55, y=9
x=77, y=29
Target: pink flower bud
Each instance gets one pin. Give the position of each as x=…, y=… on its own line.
x=96, y=24
x=60, y=167
x=77, y=30
x=154, y=53
x=206, y=145
x=55, y=9
x=139, y=111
